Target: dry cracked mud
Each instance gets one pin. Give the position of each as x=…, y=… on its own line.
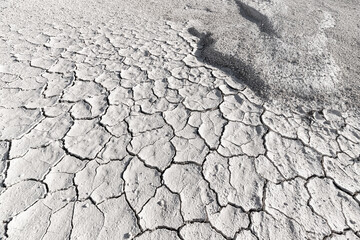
x=117, y=130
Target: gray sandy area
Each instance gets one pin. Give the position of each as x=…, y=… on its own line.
x=179, y=120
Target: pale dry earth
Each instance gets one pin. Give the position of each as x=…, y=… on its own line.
x=112, y=126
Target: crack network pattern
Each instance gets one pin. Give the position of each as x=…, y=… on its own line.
x=118, y=132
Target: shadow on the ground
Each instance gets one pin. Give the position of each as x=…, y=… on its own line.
x=248, y=75
x=242, y=71
x=254, y=16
